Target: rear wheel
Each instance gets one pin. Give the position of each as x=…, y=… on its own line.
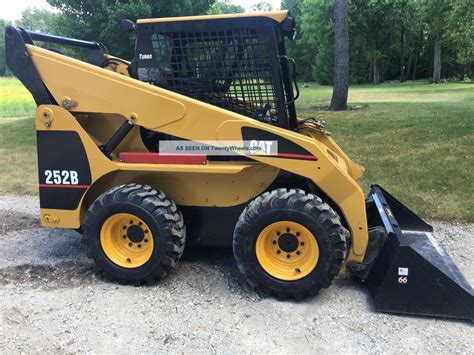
x=134, y=233
x=289, y=243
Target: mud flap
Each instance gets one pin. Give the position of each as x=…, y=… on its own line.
x=412, y=272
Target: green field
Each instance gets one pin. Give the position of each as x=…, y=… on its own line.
x=415, y=139
x=15, y=100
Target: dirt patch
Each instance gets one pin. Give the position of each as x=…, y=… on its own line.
x=14, y=221
x=48, y=277
x=53, y=300
x=349, y=107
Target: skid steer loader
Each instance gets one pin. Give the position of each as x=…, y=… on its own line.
x=295, y=217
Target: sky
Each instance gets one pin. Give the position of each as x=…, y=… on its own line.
x=12, y=9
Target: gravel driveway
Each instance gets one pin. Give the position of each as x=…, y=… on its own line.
x=52, y=301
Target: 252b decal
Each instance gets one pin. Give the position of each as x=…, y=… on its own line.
x=61, y=177
x=64, y=172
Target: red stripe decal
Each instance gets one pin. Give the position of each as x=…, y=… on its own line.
x=156, y=158
x=65, y=186
x=286, y=155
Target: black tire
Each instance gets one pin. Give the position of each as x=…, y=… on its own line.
x=157, y=212
x=300, y=207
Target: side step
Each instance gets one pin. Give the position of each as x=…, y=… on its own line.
x=412, y=273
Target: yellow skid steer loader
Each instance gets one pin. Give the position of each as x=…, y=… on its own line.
x=295, y=216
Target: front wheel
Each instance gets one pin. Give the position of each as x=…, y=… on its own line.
x=134, y=233
x=289, y=243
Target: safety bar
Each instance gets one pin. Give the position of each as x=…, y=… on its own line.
x=44, y=37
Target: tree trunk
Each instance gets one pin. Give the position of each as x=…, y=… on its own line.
x=371, y=71
x=414, y=65
x=382, y=68
x=376, y=71
x=417, y=53
x=437, y=60
x=410, y=58
x=402, y=55
x=341, y=60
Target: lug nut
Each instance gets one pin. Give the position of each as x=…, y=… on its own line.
x=274, y=242
x=278, y=251
x=130, y=244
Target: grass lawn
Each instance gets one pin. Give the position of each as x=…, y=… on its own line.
x=15, y=100
x=18, y=172
x=415, y=139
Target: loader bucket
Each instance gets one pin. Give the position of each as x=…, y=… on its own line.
x=412, y=273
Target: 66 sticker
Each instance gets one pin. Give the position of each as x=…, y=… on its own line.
x=403, y=280
x=403, y=275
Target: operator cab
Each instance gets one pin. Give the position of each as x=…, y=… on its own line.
x=237, y=62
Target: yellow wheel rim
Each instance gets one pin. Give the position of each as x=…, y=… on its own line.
x=287, y=250
x=126, y=240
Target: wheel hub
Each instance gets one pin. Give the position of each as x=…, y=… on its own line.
x=135, y=234
x=288, y=242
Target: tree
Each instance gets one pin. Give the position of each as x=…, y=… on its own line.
x=297, y=48
x=261, y=6
x=31, y=19
x=389, y=39
x=225, y=7
x=35, y=19
x=460, y=33
x=317, y=40
x=100, y=20
x=372, y=35
x=437, y=59
x=436, y=13
x=3, y=66
x=341, y=61
x=401, y=7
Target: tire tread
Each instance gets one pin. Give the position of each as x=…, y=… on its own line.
x=297, y=200
x=165, y=212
